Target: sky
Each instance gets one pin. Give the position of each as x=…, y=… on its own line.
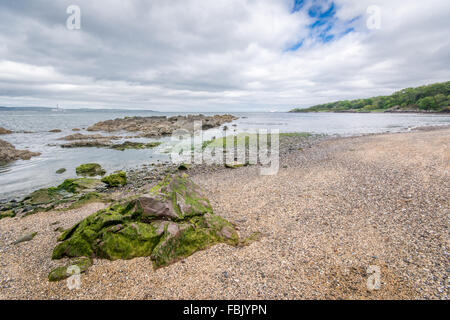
x=221, y=55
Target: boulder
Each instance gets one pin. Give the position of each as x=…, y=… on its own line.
x=90, y=170
x=116, y=179
x=171, y=222
x=9, y=153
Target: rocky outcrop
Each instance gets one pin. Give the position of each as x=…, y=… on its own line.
x=80, y=136
x=171, y=222
x=90, y=170
x=159, y=126
x=134, y=145
x=5, y=131
x=9, y=153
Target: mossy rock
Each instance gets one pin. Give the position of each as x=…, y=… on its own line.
x=60, y=171
x=7, y=214
x=234, y=165
x=79, y=185
x=90, y=170
x=171, y=222
x=116, y=179
x=70, y=190
x=134, y=145
x=63, y=272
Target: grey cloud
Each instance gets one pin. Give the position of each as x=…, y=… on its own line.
x=213, y=55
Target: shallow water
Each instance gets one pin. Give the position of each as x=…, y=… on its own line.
x=20, y=177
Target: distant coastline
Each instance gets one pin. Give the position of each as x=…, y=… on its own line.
x=428, y=99
x=3, y=108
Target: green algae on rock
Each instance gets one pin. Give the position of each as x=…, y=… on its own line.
x=116, y=179
x=77, y=265
x=171, y=222
x=90, y=170
x=134, y=145
x=62, y=170
x=75, y=192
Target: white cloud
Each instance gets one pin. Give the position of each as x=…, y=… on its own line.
x=228, y=55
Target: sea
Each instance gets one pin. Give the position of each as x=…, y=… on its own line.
x=31, y=131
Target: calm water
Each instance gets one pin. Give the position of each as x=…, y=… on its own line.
x=19, y=178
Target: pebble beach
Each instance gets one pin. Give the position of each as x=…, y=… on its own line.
x=336, y=207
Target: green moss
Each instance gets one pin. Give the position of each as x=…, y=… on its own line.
x=134, y=145
x=127, y=229
x=116, y=179
x=7, y=214
x=61, y=273
x=79, y=185
x=133, y=240
x=295, y=134
x=90, y=197
x=43, y=196
x=90, y=170
x=60, y=171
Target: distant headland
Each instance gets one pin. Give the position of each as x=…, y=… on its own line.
x=433, y=98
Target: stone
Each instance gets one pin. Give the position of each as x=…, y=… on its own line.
x=171, y=222
x=25, y=238
x=116, y=179
x=5, y=131
x=9, y=153
x=90, y=170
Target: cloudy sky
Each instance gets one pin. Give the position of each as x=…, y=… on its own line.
x=221, y=55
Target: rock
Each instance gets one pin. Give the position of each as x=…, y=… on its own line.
x=62, y=170
x=55, y=130
x=80, y=136
x=134, y=145
x=170, y=223
x=87, y=144
x=8, y=153
x=76, y=129
x=5, y=131
x=234, y=165
x=90, y=170
x=116, y=179
x=7, y=214
x=160, y=125
x=184, y=167
x=27, y=237
x=154, y=208
x=61, y=273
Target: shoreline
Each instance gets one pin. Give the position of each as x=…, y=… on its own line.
x=336, y=206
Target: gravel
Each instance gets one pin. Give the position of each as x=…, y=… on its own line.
x=336, y=207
